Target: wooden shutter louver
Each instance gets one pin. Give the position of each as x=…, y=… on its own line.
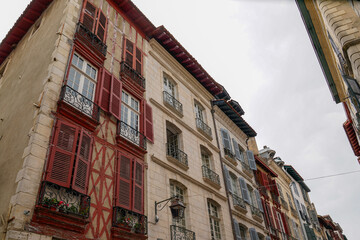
x=105, y=90
x=89, y=16
x=149, y=132
x=62, y=154
x=244, y=190
x=226, y=139
x=251, y=159
x=82, y=163
x=138, y=186
x=115, y=98
x=277, y=220
x=285, y=223
x=266, y=214
x=237, y=150
x=227, y=177
x=270, y=215
x=253, y=234
x=101, y=25
x=258, y=200
x=124, y=182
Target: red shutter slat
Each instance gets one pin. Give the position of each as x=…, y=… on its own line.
x=62, y=154
x=105, y=90
x=115, y=97
x=82, y=163
x=272, y=224
x=149, y=131
x=285, y=223
x=138, y=187
x=101, y=26
x=266, y=214
x=88, y=16
x=265, y=180
x=276, y=219
x=124, y=182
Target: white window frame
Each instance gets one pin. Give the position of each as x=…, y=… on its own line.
x=130, y=107
x=82, y=75
x=214, y=219
x=176, y=189
x=169, y=86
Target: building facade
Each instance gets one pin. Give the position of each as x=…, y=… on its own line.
x=333, y=30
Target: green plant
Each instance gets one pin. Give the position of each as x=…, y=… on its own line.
x=50, y=202
x=72, y=209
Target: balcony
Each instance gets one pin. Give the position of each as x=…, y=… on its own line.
x=210, y=176
x=129, y=221
x=131, y=134
x=181, y=233
x=90, y=39
x=256, y=213
x=174, y=104
x=239, y=203
x=205, y=129
x=127, y=70
x=176, y=155
x=76, y=100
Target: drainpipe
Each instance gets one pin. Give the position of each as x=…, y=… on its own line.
x=222, y=169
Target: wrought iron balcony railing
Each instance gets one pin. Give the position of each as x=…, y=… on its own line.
x=171, y=100
x=132, y=74
x=238, y=201
x=80, y=102
x=131, y=134
x=246, y=166
x=176, y=153
x=181, y=233
x=229, y=153
x=203, y=127
x=64, y=200
x=255, y=211
x=82, y=33
x=132, y=221
x=210, y=174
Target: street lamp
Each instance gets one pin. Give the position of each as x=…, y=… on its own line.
x=177, y=207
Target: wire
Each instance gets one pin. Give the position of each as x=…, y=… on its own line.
x=333, y=175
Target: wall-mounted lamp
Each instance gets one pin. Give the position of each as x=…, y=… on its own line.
x=177, y=207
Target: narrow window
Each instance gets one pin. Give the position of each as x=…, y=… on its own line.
x=214, y=219
x=177, y=190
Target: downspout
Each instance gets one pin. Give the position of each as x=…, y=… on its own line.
x=222, y=169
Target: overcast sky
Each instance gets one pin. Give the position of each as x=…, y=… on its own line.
x=261, y=53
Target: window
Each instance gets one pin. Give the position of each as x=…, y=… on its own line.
x=280, y=190
x=176, y=189
x=130, y=183
x=237, y=229
x=233, y=182
x=70, y=156
x=227, y=143
x=296, y=190
x=130, y=110
x=214, y=219
x=304, y=193
x=82, y=77
x=253, y=234
x=133, y=56
x=94, y=20
x=199, y=111
x=205, y=157
x=290, y=202
x=295, y=228
x=169, y=86
x=243, y=231
x=244, y=190
x=173, y=140
x=238, y=153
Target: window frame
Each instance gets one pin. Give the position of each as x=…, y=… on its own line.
x=134, y=55
x=214, y=219
x=175, y=190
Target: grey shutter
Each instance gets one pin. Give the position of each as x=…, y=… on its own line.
x=237, y=150
x=237, y=229
x=244, y=190
x=251, y=159
x=267, y=238
x=226, y=139
x=253, y=234
x=258, y=199
x=227, y=178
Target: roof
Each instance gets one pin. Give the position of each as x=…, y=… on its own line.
x=168, y=41
x=321, y=47
x=233, y=110
x=32, y=12
x=296, y=176
x=264, y=166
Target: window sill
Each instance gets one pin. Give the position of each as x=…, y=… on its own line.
x=240, y=209
x=173, y=109
x=257, y=218
x=177, y=163
x=212, y=183
x=231, y=160
x=47, y=217
x=204, y=133
x=125, y=233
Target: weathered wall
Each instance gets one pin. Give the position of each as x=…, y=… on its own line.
x=25, y=110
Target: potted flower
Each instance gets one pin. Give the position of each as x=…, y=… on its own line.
x=72, y=209
x=138, y=228
x=63, y=207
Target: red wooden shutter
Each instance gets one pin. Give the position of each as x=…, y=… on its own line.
x=115, y=97
x=101, y=26
x=265, y=180
x=105, y=90
x=149, y=131
x=138, y=63
x=88, y=16
x=138, y=187
x=285, y=223
x=276, y=219
x=62, y=154
x=129, y=53
x=124, y=182
x=82, y=163
x=272, y=224
x=274, y=188
x=266, y=214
